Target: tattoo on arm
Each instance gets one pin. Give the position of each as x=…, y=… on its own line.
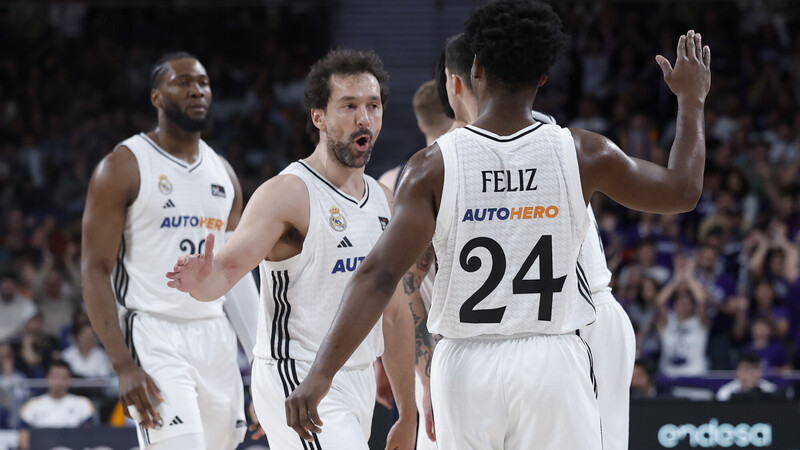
x=428, y=257
x=413, y=279
x=423, y=339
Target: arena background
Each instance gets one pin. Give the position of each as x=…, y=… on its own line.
x=74, y=82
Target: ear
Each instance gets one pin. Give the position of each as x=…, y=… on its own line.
x=543, y=80
x=156, y=98
x=457, y=84
x=477, y=68
x=419, y=125
x=318, y=118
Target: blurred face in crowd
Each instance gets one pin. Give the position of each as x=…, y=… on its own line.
x=59, y=381
x=760, y=330
x=684, y=306
x=707, y=259
x=749, y=374
x=764, y=295
x=184, y=95
x=85, y=339
x=641, y=380
x=8, y=287
x=352, y=119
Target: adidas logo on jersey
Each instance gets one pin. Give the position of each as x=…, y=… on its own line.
x=176, y=421
x=169, y=204
x=345, y=243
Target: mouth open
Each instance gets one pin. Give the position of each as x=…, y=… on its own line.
x=362, y=143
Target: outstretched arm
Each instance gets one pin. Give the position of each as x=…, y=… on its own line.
x=274, y=208
x=643, y=185
x=369, y=290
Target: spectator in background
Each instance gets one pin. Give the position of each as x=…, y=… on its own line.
x=771, y=351
x=12, y=394
x=57, y=295
x=684, y=328
x=57, y=408
x=763, y=306
x=34, y=349
x=85, y=357
x=748, y=380
x=15, y=310
x=642, y=312
x=646, y=263
x=642, y=384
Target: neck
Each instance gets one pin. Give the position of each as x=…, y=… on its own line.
x=348, y=179
x=504, y=111
x=176, y=141
x=58, y=395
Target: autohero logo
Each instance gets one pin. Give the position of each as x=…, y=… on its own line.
x=714, y=434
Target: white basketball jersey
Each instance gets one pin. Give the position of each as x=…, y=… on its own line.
x=177, y=206
x=508, y=234
x=593, y=261
x=300, y=295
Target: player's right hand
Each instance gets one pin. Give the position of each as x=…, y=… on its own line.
x=691, y=77
x=137, y=389
x=190, y=270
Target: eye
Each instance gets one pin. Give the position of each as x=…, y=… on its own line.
x=375, y=106
x=349, y=106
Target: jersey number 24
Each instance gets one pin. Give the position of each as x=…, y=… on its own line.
x=545, y=285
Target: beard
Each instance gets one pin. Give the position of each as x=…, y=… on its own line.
x=184, y=122
x=346, y=154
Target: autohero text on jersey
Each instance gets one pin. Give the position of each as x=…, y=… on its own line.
x=192, y=221
x=509, y=180
x=513, y=213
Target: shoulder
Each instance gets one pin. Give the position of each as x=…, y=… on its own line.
x=284, y=195
x=117, y=172
x=424, y=164
x=32, y=405
x=388, y=193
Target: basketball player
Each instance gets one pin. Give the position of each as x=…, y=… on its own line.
x=611, y=337
x=308, y=229
x=432, y=122
x=510, y=371
x=152, y=199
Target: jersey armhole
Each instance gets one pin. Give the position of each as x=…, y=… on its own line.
x=569, y=154
x=142, y=194
x=444, y=217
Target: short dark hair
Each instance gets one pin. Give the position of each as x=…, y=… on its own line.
x=441, y=87
x=340, y=61
x=59, y=363
x=750, y=358
x=516, y=41
x=458, y=56
x=160, y=67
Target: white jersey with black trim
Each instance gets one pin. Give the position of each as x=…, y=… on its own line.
x=593, y=261
x=177, y=206
x=300, y=295
x=508, y=235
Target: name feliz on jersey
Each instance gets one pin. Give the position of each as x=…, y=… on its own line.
x=519, y=180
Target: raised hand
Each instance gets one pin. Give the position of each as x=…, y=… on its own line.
x=690, y=79
x=191, y=270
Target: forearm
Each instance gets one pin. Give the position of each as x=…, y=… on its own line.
x=102, y=311
x=398, y=355
x=688, y=154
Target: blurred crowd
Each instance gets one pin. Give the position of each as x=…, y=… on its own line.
x=703, y=289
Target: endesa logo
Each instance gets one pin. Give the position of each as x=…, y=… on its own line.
x=192, y=222
x=714, y=434
x=519, y=213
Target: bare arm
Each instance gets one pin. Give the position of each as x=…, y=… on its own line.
x=410, y=285
x=238, y=200
x=369, y=290
x=643, y=185
x=275, y=207
x=113, y=187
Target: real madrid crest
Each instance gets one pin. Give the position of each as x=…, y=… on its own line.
x=164, y=186
x=337, y=220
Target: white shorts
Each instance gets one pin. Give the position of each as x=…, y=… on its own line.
x=194, y=365
x=514, y=393
x=346, y=411
x=423, y=441
x=613, y=345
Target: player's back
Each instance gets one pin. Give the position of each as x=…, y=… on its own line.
x=508, y=234
x=177, y=205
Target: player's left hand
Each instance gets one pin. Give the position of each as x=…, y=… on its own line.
x=255, y=426
x=403, y=434
x=301, y=406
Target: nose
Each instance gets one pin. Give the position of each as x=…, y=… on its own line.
x=195, y=90
x=362, y=117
